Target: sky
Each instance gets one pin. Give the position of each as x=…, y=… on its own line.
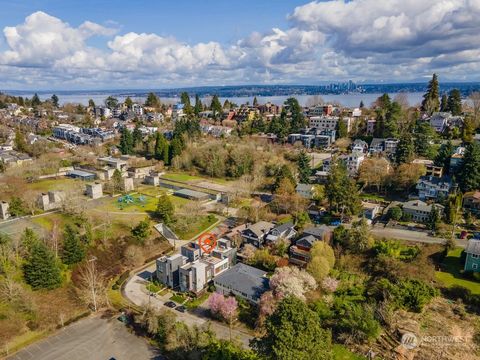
x=63, y=45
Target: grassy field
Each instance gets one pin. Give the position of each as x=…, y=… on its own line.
x=47, y=221
x=340, y=352
x=55, y=184
x=452, y=276
x=181, y=177
x=140, y=204
x=196, y=227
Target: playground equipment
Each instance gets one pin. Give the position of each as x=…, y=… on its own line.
x=129, y=200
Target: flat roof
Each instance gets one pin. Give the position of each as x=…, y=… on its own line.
x=191, y=193
x=80, y=173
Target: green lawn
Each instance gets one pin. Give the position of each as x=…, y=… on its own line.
x=180, y=299
x=452, y=275
x=181, y=177
x=47, y=221
x=340, y=352
x=201, y=224
x=55, y=184
x=194, y=303
x=149, y=203
x=154, y=288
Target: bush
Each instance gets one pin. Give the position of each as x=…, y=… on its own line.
x=395, y=213
x=360, y=323
x=395, y=249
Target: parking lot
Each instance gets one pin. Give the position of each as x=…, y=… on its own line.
x=93, y=338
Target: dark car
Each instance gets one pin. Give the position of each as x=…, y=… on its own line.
x=170, y=304
x=181, y=308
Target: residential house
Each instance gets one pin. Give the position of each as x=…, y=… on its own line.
x=471, y=202
x=456, y=160
x=440, y=121
x=305, y=190
x=244, y=281
x=419, y=210
x=472, y=259
x=431, y=169
x=300, y=252
x=435, y=188
x=370, y=210
x=168, y=269
x=359, y=146
x=255, y=234
x=283, y=231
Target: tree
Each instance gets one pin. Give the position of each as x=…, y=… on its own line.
x=225, y=308
x=341, y=128
x=17, y=207
x=137, y=136
x=175, y=149
x=255, y=101
x=185, y=100
x=41, y=270
x=297, y=120
x=395, y=213
x=216, y=106
x=468, y=129
x=341, y=191
x=54, y=99
x=424, y=135
x=294, y=331
x=360, y=323
x=227, y=350
x=474, y=99
x=142, y=231
x=405, y=149
x=443, y=156
x=292, y=281
x=304, y=169
x=198, y=108
x=454, y=102
x=126, y=142
x=92, y=285
x=91, y=103
x=444, y=103
x=128, y=102
x=433, y=219
x=469, y=174
x=161, y=150
x=407, y=174
x=322, y=260
x=117, y=180
x=165, y=209
x=111, y=102
x=73, y=249
x=431, y=103
x=374, y=171
x=152, y=100
x=35, y=101
x=19, y=141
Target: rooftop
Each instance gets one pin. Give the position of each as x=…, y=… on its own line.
x=473, y=247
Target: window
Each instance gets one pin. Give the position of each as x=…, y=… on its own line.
x=475, y=256
x=475, y=266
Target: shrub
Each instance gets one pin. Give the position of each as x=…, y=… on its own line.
x=395, y=213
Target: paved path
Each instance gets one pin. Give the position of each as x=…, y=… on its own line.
x=411, y=235
x=93, y=338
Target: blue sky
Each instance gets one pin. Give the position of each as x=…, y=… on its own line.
x=153, y=44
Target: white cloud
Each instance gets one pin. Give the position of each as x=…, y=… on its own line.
x=330, y=40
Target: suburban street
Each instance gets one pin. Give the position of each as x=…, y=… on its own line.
x=94, y=338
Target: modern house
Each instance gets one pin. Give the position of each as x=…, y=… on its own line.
x=472, y=259
x=432, y=187
x=419, y=210
x=168, y=269
x=244, y=281
x=255, y=234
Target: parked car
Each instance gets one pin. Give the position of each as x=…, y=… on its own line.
x=170, y=304
x=181, y=308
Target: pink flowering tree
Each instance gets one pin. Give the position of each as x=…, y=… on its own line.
x=291, y=281
x=330, y=284
x=225, y=308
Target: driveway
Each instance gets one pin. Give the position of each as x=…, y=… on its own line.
x=93, y=338
x=135, y=291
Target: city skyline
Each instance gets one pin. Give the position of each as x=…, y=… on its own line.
x=50, y=45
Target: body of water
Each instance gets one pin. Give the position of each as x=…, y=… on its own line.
x=348, y=100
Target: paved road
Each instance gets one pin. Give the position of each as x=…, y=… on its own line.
x=93, y=338
x=411, y=235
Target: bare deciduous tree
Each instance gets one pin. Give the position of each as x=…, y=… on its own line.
x=93, y=287
x=474, y=99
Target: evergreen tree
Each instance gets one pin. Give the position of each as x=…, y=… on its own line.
x=297, y=120
x=341, y=191
x=73, y=249
x=128, y=102
x=137, y=137
x=165, y=209
x=362, y=105
x=19, y=141
x=444, y=103
x=424, y=134
x=454, y=102
x=28, y=239
x=91, y=103
x=469, y=175
x=198, y=105
x=255, y=101
x=185, y=100
x=304, y=169
x=443, y=156
x=433, y=219
x=383, y=105
x=116, y=181
x=41, y=270
x=294, y=331
x=176, y=148
x=111, y=102
x=54, y=99
x=431, y=103
x=405, y=150
x=394, y=114
x=341, y=128
x=161, y=148
x=152, y=100
x=35, y=101
x=126, y=141
x=216, y=106
x=468, y=129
